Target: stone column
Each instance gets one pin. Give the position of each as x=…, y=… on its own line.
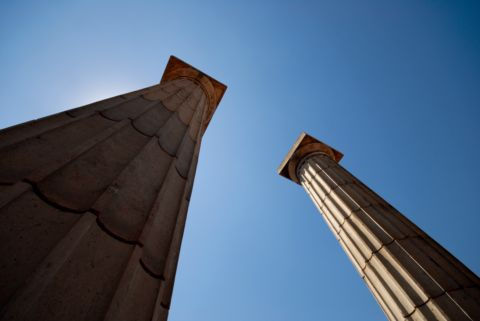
x=93, y=202
x=411, y=276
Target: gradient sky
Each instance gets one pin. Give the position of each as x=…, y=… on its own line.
x=394, y=85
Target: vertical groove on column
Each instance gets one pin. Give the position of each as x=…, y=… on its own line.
x=410, y=274
x=93, y=205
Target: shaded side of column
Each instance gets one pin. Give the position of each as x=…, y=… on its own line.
x=93, y=203
x=411, y=276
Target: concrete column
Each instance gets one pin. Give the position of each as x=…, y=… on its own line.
x=411, y=276
x=93, y=202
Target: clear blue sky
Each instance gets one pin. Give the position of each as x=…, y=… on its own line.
x=394, y=85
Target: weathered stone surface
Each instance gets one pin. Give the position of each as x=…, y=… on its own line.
x=10, y=192
x=97, y=106
x=321, y=187
x=387, y=222
x=340, y=212
x=196, y=122
x=441, y=308
x=411, y=276
x=158, y=94
x=128, y=109
x=123, y=207
x=184, y=156
x=152, y=120
x=93, y=202
x=19, y=160
x=171, y=134
x=381, y=299
x=191, y=177
x=78, y=184
x=166, y=289
x=78, y=282
x=190, y=105
x=23, y=222
x=142, y=92
x=363, y=236
x=161, y=222
x=375, y=233
x=419, y=251
x=173, y=102
x=468, y=299
x=214, y=90
x=136, y=289
x=14, y=134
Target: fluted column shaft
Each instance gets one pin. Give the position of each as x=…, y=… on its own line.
x=411, y=276
x=94, y=200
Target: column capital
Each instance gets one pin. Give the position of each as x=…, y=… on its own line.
x=214, y=90
x=304, y=146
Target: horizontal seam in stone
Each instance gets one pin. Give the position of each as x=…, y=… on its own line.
x=45, y=199
x=100, y=112
x=181, y=120
x=68, y=114
x=138, y=129
x=151, y=273
x=365, y=210
x=435, y=297
x=162, y=148
x=48, y=130
x=182, y=102
x=150, y=106
x=160, y=99
x=113, y=235
x=108, y=107
x=449, y=257
x=141, y=92
x=178, y=172
x=351, y=213
x=149, y=210
x=186, y=127
x=432, y=278
x=132, y=122
x=64, y=208
x=382, y=246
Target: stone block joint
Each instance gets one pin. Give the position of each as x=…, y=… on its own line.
x=411, y=276
x=94, y=200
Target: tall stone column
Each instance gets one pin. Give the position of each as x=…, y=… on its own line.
x=93, y=202
x=411, y=276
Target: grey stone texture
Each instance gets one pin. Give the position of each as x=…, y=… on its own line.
x=411, y=276
x=93, y=202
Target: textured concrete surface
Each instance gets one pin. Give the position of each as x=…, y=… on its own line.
x=411, y=276
x=93, y=202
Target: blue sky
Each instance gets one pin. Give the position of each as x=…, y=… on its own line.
x=394, y=85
